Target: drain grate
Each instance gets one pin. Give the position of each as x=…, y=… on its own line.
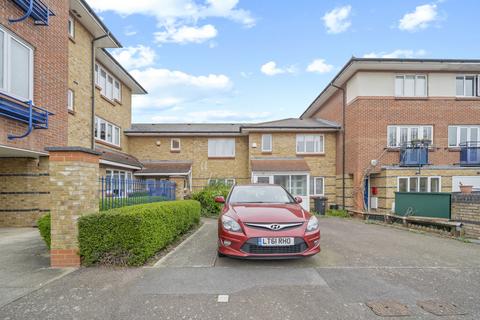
x=388, y=308
x=440, y=308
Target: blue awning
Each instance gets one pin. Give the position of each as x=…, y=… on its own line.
x=23, y=111
x=35, y=9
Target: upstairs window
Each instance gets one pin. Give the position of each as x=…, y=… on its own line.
x=310, y=143
x=266, y=143
x=401, y=135
x=16, y=67
x=221, y=148
x=411, y=85
x=175, y=144
x=467, y=86
x=419, y=184
x=109, y=86
x=458, y=135
x=107, y=132
x=71, y=27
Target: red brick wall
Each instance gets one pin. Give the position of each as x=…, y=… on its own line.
x=50, y=45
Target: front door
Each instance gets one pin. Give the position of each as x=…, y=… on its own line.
x=296, y=184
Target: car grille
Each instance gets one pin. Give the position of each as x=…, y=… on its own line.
x=251, y=247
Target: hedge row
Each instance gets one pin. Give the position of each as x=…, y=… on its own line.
x=206, y=197
x=131, y=235
x=44, y=228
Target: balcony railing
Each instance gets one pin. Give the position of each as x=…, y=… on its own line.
x=470, y=153
x=414, y=154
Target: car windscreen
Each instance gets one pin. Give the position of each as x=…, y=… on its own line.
x=260, y=194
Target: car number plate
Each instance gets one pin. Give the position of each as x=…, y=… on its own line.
x=275, y=242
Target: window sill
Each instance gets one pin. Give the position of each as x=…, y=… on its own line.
x=467, y=98
x=72, y=112
x=310, y=154
x=266, y=152
x=108, y=144
x=108, y=100
x=453, y=149
x=174, y=151
x=117, y=101
x=71, y=38
x=412, y=98
x=221, y=158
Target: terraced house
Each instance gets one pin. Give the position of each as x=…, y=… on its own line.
x=408, y=125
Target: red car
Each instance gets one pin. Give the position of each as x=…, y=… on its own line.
x=261, y=221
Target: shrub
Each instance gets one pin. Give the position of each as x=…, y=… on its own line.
x=206, y=197
x=131, y=235
x=338, y=213
x=44, y=227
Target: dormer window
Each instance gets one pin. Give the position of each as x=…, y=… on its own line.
x=411, y=85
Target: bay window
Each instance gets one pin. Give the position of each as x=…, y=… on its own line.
x=458, y=135
x=107, y=132
x=401, y=135
x=419, y=184
x=411, y=85
x=221, y=148
x=310, y=143
x=16, y=66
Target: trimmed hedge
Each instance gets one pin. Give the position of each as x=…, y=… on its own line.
x=44, y=227
x=206, y=197
x=131, y=235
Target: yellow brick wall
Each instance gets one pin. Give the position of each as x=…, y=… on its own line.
x=80, y=81
x=24, y=191
x=195, y=149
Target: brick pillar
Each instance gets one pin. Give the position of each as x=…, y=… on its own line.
x=74, y=173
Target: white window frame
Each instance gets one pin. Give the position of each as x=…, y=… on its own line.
x=98, y=124
x=409, y=133
x=403, y=76
x=315, y=182
x=269, y=136
x=71, y=27
x=105, y=90
x=476, y=85
x=70, y=100
x=179, y=144
x=110, y=173
x=226, y=181
x=8, y=37
x=218, y=140
x=458, y=129
x=321, y=143
x=429, y=183
x=117, y=93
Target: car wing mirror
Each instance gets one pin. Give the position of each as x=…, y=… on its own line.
x=298, y=199
x=219, y=199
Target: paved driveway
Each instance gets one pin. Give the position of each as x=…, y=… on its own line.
x=24, y=263
x=360, y=263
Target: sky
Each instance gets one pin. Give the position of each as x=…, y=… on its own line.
x=262, y=60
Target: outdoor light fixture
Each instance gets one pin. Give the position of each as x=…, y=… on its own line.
x=158, y=143
x=254, y=145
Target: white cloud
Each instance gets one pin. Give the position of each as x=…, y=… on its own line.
x=129, y=31
x=214, y=115
x=135, y=57
x=171, y=89
x=319, y=66
x=186, y=34
x=420, y=18
x=270, y=69
x=337, y=20
x=173, y=15
x=399, y=53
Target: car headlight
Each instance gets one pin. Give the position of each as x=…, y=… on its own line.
x=312, y=224
x=229, y=224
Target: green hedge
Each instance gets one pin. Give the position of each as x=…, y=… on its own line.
x=131, y=235
x=44, y=226
x=206, y=197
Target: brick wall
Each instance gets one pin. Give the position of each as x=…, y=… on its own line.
x=24, y=191
x=50, y=74
x=466, y=208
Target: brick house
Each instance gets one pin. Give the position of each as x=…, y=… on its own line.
x=409, y=125
x=298, y=154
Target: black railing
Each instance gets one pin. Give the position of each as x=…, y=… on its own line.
x=470, y=153
x=116, y=193
x=414, y=154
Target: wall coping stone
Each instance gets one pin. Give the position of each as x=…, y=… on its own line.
x=73, y=149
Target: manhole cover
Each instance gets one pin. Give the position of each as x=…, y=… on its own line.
x=388, y=308
x=440, y=308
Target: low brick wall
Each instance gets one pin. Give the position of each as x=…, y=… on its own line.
x=466, y=208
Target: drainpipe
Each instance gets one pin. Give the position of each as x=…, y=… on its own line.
x=93, y=86
x=344, y=102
